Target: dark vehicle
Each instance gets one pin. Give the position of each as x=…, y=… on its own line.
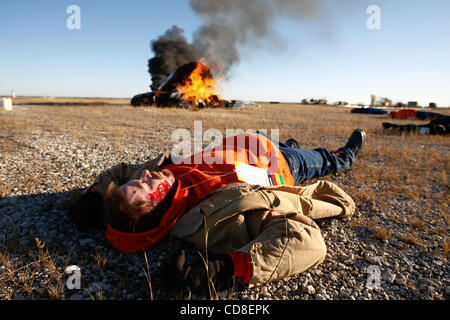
x=166, y=94
x=143, y=99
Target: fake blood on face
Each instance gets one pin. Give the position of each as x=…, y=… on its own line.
x=161, y=191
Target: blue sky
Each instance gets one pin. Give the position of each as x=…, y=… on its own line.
x=338, y=58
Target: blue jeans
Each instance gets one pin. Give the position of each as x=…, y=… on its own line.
x=308, y=163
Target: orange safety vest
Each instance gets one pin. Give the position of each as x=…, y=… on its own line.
x=201, y=174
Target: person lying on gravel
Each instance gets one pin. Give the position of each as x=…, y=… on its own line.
x=249, y=218
x=440, y=126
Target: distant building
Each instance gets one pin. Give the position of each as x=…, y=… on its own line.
x=373, y=99
x=432, y=105
x=412, y=104
x=400, y=105
x=13, y=94
x=384, y=102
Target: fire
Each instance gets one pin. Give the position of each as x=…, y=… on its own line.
x=200, y=86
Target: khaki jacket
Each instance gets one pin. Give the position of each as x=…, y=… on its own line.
x=273, y=224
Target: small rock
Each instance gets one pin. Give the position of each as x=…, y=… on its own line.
x=97, y=287
x=438, y=262
x=41, y=291
x=400, y=280
x=447, y=291
x=310, y=289
x=24, y=243
x=373, y=260
x=86, y=242
x=423, y=263
x=319, y=297
x=317, y=272
x=256, y=296
x=389, y=277
x=52, y=234
x=423, y=287
x=344, y=295
x=321, y=291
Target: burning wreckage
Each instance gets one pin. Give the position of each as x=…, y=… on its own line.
x=189, y=86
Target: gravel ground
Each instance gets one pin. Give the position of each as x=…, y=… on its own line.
x=54, y=166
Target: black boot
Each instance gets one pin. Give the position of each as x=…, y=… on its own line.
x=356, y=141
x=292, y=143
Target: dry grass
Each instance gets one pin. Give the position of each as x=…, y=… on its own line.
x=446, y=247
x=411, y=286
x=412, y=238
x=404, y=176
x=39, y=278
x=381, y=233
x=100, y=259
x=68, y=101
x=148, y=277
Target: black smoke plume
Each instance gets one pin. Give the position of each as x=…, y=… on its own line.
x=171, y=50
x=228, y=26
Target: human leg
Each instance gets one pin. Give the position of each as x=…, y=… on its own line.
x=305, y=164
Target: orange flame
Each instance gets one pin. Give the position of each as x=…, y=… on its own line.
x=200, y=86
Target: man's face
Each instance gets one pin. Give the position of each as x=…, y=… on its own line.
x=151, y=186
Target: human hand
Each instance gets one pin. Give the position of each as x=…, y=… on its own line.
x=199, y=277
